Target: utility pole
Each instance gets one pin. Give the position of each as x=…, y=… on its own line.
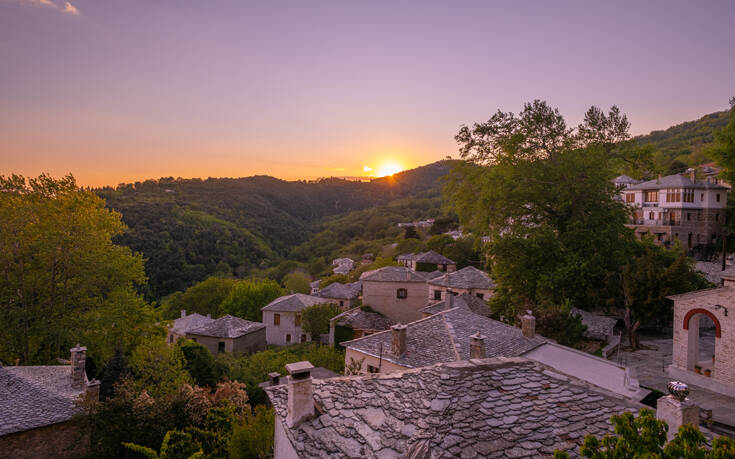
x=724, y=247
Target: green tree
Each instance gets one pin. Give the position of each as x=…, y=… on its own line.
x=63, y=279
x=315, y=319
x=253, y=438
x=723, y=152
x=439, y=243
x=411, y=233
x=199, y=363
x=158, y=368
x=202, y=298
x=248, y=297
x=297, y=282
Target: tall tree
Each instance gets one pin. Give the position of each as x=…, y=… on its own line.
x=247, y=297
x=63, y=279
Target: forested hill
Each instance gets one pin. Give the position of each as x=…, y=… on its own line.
x=685, y=143
x=188, y=229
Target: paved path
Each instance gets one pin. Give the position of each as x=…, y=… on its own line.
x=651, y=364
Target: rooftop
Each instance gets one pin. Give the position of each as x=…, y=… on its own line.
x=184, y=324
x=358, y=319
x=36, y=396
x=445, y=337
x=227, y=327
x=341, y=291
x=676, y=181
x=465, y=278
x=466, y=301
x=598, y=326
x=491, y=407
x=431, y=257
x=393, y=274
x=294, y=302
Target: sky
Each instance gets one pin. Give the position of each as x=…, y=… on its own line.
x=120, y=91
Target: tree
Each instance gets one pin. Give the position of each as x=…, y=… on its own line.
x=116, y=369
x=297, y=282
x=439, y=243
x=411, y=233
x=158, y=368
x=202, y=298
x=723, y=152
x=199, y=363
x=248, y=297
x=315, y=319
x=253, y=438
x=63, y=278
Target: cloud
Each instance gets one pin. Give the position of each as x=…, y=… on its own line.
x=45, y=2
x=71, y=9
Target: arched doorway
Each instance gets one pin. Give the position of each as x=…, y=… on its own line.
x=703, y=333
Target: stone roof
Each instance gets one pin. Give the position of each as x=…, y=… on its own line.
x=625, y=180
x=598, y=327
x=292, y=303
x=676, y=181
x=713, y=272
x=316, y=373
x=342, y=269
x=478, y=408
x=432, y=275
x=359, y=319
x=184, y=324
x=36, y=396
x=393, y=274
x=465, y=300
x=445, y=337
x=341, y=291
x=466, y=278
x=227, y=327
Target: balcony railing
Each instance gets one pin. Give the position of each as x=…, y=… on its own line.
x=655, y=222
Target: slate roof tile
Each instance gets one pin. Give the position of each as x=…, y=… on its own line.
x=294, y=302
x=227, y=327
x=465, y=278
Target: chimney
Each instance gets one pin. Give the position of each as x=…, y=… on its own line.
x=450, y=299
x=658, y=179
x=477, y=346
x=275, y=378
x=300, y=393
x=676, y=409
x=692, y=174
x=398, y=345
x=528, y=324
x=183, y=313
x=78, y=360
x=209, y=316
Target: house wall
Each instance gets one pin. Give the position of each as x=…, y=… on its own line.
x=381, y=296
x=62, y=440
x=252, y=342
x=341, y=302
x=276, y=335
x=384, y=365
x=282, y=447
x=724, y=365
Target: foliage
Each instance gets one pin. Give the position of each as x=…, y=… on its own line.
x=315, y=319
x=158, y=368
x=410, y=233
x=199, y=363
x=297, y=282
x=64, y=280
x=247, y=298
x=443, y=224
x=254, y=437
x=117, y=368
x=558, y=323
x=723, y=152
x=645, y=436
x=203, y=298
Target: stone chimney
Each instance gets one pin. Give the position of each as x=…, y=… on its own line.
x=676, y=409
x=658, y=179
x=398, y=344
x=528, y=324
x=275, y=378
x=450, y=299
x=477, y=346
x=300, y=393
x=183, y=313
x=692, y=174
x=78, y=361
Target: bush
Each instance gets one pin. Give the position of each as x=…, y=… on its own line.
x=315, y=319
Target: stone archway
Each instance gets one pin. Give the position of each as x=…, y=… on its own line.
x=692, y=325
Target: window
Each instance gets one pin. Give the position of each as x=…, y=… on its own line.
x=401, y=293
x=341, y=302
x=689, y=216
x=717, y=217
x=480, y=295
x=221, y=346
x=277, y=320
x=701, y=197
x=437, y=294
x=717, y=197
x=303, y=338
x=651, y=196
x=688, y=195
x=372, y=369
x=288, y=338
x=673, y=195
x=629, y=197
x=651, y=216
x=297, y=320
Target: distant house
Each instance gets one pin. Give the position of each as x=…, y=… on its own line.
x=314, y=286
x=467, y=301
x=367, y=258
x=359, y=322
x=414, y=261
x=599, y=327
x=345, y=295
x=282, y=318
x=183, y=324
x=343, y=265
x=230, y=334
x=37, y=407
x=468, y=280
x=398, y=293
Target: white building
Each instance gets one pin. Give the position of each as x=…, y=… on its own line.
x=282, y=318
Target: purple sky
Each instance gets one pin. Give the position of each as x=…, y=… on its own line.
x=123, y=91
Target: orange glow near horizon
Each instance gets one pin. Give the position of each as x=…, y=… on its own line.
x=388, y=168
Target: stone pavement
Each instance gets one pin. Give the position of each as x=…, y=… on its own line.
x=651, y=365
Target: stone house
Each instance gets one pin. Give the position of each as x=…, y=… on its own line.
x=282, y=318
x=469, y=280
x=692, y=362
x=183, y=324
x=343, y=265
x=230, y=334
x=430, y=258
x=344, y=295
x=37, y=407
x=501, y=407
x=359, y=322
x=676, y=207
x=398, y=293
x=459, y=333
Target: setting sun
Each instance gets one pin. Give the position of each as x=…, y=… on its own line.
x=388, y=168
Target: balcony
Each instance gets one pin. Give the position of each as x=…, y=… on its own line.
x=654, y=222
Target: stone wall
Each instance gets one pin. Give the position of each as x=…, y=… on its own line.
x=384, y=365
x=252, y=342
x=382, y=297
x=276, y=334
x=62, y=440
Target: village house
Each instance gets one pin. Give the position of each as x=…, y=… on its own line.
x=398, y=293
x=356, y=323
x=459, y=333
x=345, y=295
x=230, y=334
x=422, y=260
x=179, y=327
x=464, y=300
x=314, y=286
x=282, y=318
x=469, y=280
x=37, y=407
x=343, y=265
x=693, y=360
x=676, y=207
x=501, y=407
